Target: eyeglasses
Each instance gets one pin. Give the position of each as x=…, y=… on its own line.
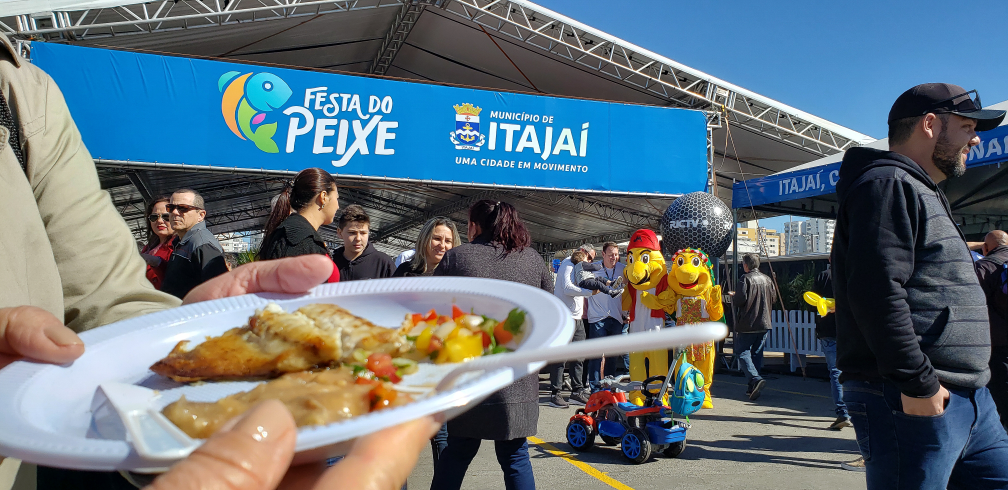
x=181, y=208
x=955, y=107
x=163, y=216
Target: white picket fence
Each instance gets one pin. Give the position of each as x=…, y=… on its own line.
x=803, y=331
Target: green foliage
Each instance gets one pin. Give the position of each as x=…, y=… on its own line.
x=247, y=256
x=793, y=288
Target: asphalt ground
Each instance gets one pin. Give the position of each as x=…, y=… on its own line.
x=779, y=441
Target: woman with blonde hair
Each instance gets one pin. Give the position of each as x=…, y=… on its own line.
x=438, y=236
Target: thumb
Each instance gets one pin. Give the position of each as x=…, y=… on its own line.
x=32, y=332
x=252, y=455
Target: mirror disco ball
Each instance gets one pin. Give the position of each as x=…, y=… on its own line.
x=696, y=220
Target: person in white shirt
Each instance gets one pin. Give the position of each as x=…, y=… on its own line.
x=572, y=296
x=606, y=317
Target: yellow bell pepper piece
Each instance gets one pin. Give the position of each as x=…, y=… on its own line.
x=423, y=340
x=461, y=349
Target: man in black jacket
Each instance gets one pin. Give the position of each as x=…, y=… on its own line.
x=358, y=259
x=912, y=334
x=198, y=256
x=753, y=298
x=993, y=276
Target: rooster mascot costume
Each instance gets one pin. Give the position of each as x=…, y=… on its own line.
x=645, y=276
x=693, y=298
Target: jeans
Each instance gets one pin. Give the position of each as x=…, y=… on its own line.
x=963, y=448
x=749, y=351
x=512, y=455
x=575, y=367
x=829, y=348
x=439, y=442
x=998, y=384
x=604, y=328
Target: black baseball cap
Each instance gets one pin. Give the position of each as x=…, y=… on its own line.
x=944, y=98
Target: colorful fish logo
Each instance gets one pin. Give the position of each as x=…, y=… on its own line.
x=246, y=101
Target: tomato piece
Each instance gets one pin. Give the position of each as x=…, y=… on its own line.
x=416, y=318
x=457, y=312
x=381, y=364
x=502, y=335
x=381, y=397
x=395, y=378
x=443, y=319
x=365, y=381
x=431, y=315
x=435, y=344
x=486, y=339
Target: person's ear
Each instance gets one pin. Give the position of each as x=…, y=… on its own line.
x=202, y=214
x=931, y=125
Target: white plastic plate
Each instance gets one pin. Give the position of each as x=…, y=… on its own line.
x=50, y=415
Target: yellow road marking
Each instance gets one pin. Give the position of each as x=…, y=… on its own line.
x=581, y=465
x=782, y=391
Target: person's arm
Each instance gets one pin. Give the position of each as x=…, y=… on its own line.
x=740, y=297
x=880, y=258
x=210, y=261
x=565, y=280
x=103, y=277
x=546, y=281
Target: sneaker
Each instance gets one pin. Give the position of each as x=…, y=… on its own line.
x=557, y=401
x=856, y=465
x=580, y=397
x=616, y=292
x=841, y=422
x=618, y=283
x=757, y=387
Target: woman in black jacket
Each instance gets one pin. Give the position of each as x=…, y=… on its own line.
x=306, y=203
x=438, y=236
x=498, y=248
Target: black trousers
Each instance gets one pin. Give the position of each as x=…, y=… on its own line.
x=576, y=367
x=998, y=384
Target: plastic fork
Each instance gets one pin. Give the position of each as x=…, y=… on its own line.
x=644, y=341
x=153, y=436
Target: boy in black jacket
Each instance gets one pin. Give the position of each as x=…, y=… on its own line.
x=357, y=258
x=912, y=333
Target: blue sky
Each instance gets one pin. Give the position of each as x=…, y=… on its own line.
x=843, y=61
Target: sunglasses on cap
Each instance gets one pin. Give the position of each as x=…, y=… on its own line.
x=969, y=104
x=163, y=216
x=181, y=208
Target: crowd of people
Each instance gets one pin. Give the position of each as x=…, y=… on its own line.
x=909, y=345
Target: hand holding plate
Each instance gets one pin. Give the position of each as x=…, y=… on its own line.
x=28, y=331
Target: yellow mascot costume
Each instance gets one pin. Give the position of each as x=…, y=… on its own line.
x=645, y=276
x=693, y=298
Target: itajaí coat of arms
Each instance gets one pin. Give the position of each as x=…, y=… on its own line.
x=467, y=134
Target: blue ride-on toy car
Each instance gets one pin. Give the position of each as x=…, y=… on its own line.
x=640, y=431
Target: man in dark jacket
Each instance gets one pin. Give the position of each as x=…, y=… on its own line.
x=826, y=331
x=912, y=335
x=198, y=257
x=357, y=259
x=753, y=298
x=991, y=272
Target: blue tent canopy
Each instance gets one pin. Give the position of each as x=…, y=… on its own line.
x=977, y=198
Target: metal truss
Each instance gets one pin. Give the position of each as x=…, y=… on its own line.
x=631, y=218
x=548, y=248
x=171, y=15
x=399, y=31
x=392, y=231
x=682, y=86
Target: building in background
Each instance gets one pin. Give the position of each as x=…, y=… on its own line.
x=751, y=239
x=240, y=242
x=814, y=235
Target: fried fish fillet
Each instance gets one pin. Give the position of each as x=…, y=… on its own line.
x=276, y=342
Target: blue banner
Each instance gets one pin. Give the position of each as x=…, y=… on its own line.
x=821, y=179
x=164, y=109
x=993, y=148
